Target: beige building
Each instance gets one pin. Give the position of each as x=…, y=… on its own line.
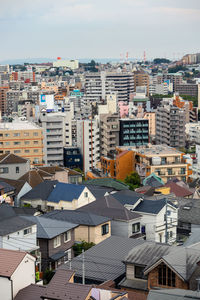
x=23, y=139
x=151, y=116
x=166, y=162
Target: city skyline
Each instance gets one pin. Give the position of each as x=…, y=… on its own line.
x=84, y=29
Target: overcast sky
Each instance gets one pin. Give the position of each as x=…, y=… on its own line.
x=98, y=28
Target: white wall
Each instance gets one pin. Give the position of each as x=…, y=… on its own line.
x=5, y=289
x=24, y=275
x=18, y=241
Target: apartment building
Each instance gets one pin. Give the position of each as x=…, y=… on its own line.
x=109, y=133
x=175, y=78
x=53, y=125
x=187, y=89
x=24, y=139
x=98, y=85
x=170, y=126
x=141, y=78
x=134, y=132
x=166, y=162
x=88, y=141
x=3, y=99
x=151, y=117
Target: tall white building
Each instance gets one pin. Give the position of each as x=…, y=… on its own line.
x=98, y=85
x=88, y=142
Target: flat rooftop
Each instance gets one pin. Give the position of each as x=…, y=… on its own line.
x=17, y=125
x=153, y=150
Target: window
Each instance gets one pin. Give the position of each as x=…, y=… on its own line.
x=17, y=169
x=7, y=134
x=182, y=170
x=26, y=133
x=35, y=142
x=4, y=170
x=68, y=256
x=139, y=272
x=35, y=133
x=26, y=142
x=17, y=151
x=26, y=151
x=16, y=134
x=7, y=143
x=169, y=171
x=57, y=241
x=166, y=276
x=27, y=231
x=86, y=194
x=135, y=227
x=67, y=236
x=35, y=150
x=104, y=229
x=17, y=143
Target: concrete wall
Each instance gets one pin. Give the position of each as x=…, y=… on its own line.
x=91, y=233
x=5, y=289
x=24, y=275
x=12, y=174
x=18, y=241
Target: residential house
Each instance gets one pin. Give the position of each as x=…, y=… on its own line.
x=62, y=287
x=17, y=270
x=58, y=196
x=7, y=193
x=152, y=265
x=13, y=166
x=61, y=174
x=104, y=261
x=91, y=228
x=154, y=214
x=16, y=233
x=33, y=177
x=107, y=183
x=123, y=222
x=55, y=239
x=21, y=187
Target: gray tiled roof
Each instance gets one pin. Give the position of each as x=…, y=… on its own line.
x=127, y=197
x=77, y=217
x=172, y=294
x=41, y=191
x=13, y=224
x=104, y=261
x=50, y=228
x=108, y=206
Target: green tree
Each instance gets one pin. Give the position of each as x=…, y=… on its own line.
x=78, y=247
x=133, y=181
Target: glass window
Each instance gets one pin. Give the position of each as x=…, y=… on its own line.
x=86, y=194
x=57, y=241
x=7, y=134
x=16, y=134
x=17, y=151
x=35, y=150
x=35, y=133
x=26, y=142
x=26, y=133
x=166, y=276
x=67, y=236
x=26, y=151
x=4, y=170
x=105, y=229
x=17, y=169
x=27, y=231
x=139, y=272
x=17, y=143
x=135, y=227
x=35, y=142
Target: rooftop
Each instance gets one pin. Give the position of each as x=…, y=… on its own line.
x=12, y=159
x=17, y=125
x=9, y=261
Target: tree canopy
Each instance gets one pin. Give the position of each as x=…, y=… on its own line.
x=133, y=181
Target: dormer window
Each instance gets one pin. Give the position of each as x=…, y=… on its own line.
x=166, y=276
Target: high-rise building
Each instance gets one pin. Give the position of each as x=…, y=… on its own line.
x=170, y=126
x=134, y=132
x=141, y=78
x=98, y=85
x=3, y=99
x=88, y=142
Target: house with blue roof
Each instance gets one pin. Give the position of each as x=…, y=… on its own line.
x=50, y=195
x=154, y=214
x=69, y=196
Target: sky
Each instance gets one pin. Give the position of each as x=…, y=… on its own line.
x=98, y=28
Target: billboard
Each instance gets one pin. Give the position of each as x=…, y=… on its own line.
x=47, y=101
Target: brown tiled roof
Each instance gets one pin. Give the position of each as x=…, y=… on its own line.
x=32, y=177
x=61, y=276
x=17, y=184
x=51, y=170
x=31, y=292
x=72, y=172
x=178, y=190
x=12, y=159
x=9, y=261
x=69, y=291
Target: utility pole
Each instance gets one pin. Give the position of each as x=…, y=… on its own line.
x=166, y=224
x=83, y=267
